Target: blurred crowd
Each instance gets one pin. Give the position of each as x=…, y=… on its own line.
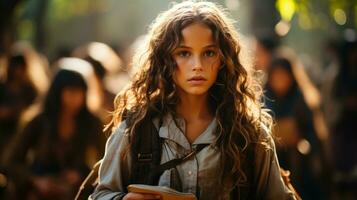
x=315, y=120
x=52, y=115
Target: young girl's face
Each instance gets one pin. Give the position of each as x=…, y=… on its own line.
x=73, y=99
x=280, y=81
x=198, y=61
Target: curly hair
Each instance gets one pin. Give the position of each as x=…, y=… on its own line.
x=235, y=97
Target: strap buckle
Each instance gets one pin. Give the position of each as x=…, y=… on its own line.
x=144, y=157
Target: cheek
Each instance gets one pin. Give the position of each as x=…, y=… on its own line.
x=73, y=99
x=65, y=98
x=214, y=70
x=281, y=82
x=180, y=62
x=79, y=99
x=179, y=73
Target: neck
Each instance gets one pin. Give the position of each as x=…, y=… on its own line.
x=66, y=125
x=67, y=114
x=193, y=107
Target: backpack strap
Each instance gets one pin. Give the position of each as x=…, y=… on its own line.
x=90, y=182
x=177, y=161
x=146, y=155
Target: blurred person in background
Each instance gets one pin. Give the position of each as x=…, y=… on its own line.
x=17, y=93
x=108, y=71
x=56, y=149
x=330, y=105
x=130, y=53
x=299, y=146
x=23, y=82
x=264, y=52
x=343, y=130
x=20, y=93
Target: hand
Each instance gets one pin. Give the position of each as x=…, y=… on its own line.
x=139, y=196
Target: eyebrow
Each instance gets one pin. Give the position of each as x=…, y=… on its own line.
x=208, y=46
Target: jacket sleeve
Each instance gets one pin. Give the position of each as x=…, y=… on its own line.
x=113, y=171
x=270, y=185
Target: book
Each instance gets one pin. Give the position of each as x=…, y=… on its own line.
x=166, y=193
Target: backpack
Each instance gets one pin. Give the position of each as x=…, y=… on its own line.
x=146, y=168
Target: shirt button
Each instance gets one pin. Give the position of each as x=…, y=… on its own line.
x=190, y=173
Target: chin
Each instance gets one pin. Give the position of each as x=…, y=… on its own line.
x=197, y=92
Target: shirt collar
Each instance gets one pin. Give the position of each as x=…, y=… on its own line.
x=174, y=132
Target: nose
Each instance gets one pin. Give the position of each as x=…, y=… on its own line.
x=197, y=64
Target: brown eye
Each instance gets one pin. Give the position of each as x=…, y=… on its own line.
x=210, y=53
x=183, y=54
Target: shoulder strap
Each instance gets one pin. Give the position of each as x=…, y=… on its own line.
x=146, y=155
x=145, y=152
x=89, y=183
x=177, y=161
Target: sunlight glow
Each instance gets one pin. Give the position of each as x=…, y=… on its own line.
x=286, y=8
x=340, y=16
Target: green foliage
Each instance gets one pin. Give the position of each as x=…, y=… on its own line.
x=62, y=10
x=25, y=30
x=312, y=13
x=286, y=8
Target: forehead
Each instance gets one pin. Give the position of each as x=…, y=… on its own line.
x=197, y=34
x=279, y=69
x=73, y=88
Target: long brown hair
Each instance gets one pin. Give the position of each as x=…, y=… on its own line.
x=235, y=96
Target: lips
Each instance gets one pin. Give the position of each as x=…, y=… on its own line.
x=197, y=80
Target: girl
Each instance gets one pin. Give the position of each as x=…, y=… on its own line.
x=192, y=85
x=62, y=140
x=300, y=148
